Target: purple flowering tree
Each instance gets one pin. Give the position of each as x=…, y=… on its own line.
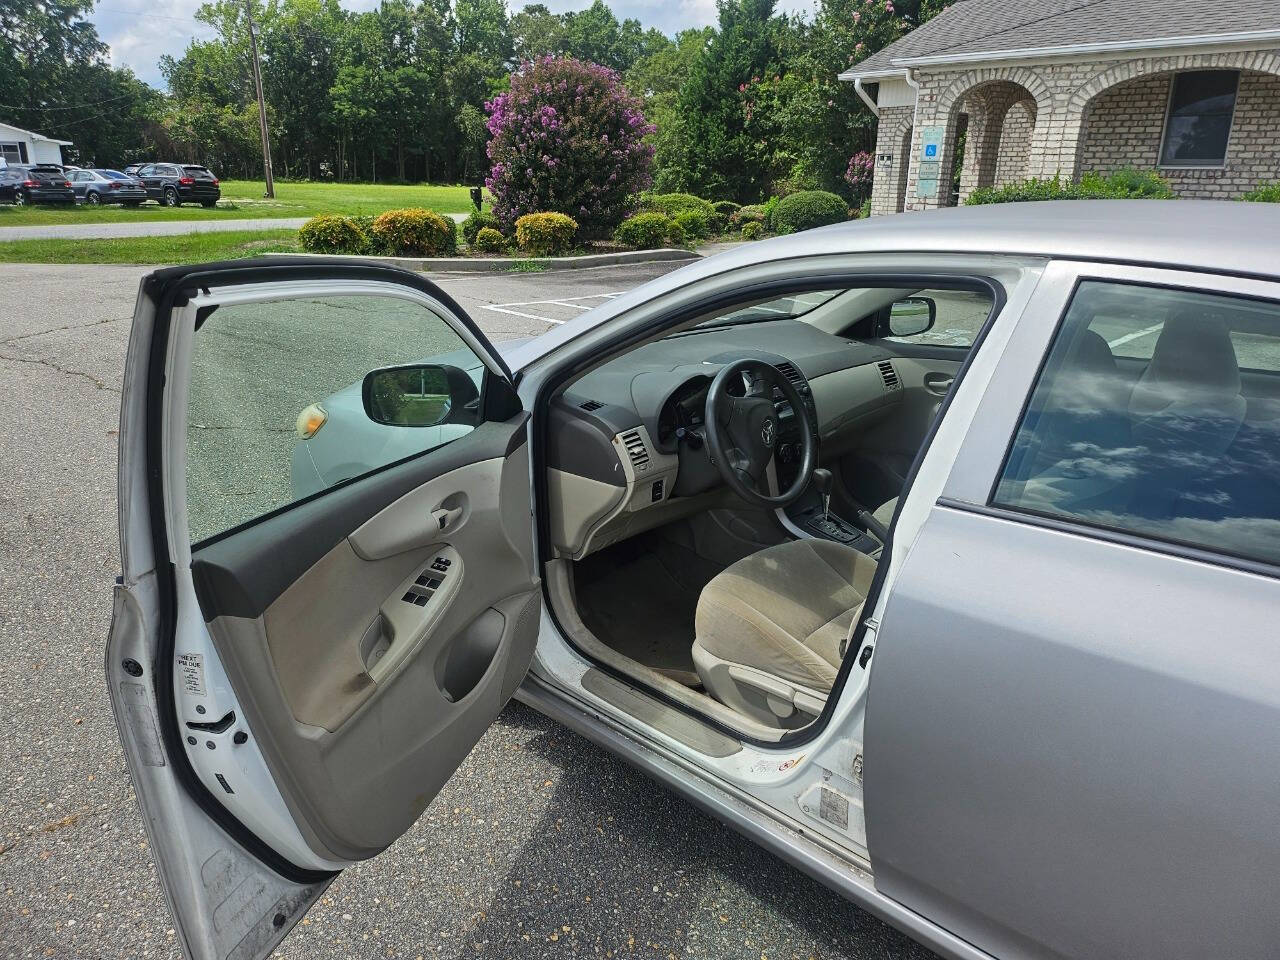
x=567, y=137
x=860, y=172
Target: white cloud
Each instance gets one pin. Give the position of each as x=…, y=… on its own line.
x=139, y=32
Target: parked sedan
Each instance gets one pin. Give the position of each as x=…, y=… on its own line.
x=22, y=184
x=937, y=553
x=106, y=186
x=173, y=184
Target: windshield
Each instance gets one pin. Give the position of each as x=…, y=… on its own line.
x=113, y=174
x=783, y=308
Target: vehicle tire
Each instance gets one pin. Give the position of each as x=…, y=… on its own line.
x=92, y=198
x=171, y=198
x=20, y=199
x=208, y=204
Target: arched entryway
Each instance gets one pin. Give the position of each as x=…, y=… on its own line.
x=1001, y=117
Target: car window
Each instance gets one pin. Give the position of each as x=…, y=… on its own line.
x=146, y=171
x=958, y=316
x=1158, y=413
x=276, y=403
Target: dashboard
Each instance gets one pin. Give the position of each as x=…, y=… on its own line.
x=624, y=448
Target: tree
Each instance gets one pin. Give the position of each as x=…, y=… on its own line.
x=567, y=138
x=710, y=150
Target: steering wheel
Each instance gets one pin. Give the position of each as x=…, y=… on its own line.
x=742, y=432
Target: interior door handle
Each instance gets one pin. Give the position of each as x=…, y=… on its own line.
x=445, y=517
x=938, y=383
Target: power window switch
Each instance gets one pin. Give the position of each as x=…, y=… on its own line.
x=421, y=600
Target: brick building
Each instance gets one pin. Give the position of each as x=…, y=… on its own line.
x=1063, y=87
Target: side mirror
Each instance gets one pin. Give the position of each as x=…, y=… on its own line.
x=420, y=395
x=912, y=316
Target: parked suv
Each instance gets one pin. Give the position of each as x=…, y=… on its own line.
x=173, y=184
x=35, y=183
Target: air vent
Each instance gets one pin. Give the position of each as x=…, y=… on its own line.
x=590, y=405
x=888, y=375
x=636, y=449
x=788, y=370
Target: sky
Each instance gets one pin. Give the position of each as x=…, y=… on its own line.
x=139, y=32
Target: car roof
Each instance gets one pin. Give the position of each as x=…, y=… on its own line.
x=1211, y=235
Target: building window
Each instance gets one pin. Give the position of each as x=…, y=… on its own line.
x=12, y=152
x=1198, y=124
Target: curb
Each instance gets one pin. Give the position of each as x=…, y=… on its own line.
x=505, y=264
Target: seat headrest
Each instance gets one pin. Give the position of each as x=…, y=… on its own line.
x=1194, y=350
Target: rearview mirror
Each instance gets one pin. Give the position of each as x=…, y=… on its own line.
x=420, y=395
x=912, y=316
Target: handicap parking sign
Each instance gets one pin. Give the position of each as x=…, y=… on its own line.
x=930, y=150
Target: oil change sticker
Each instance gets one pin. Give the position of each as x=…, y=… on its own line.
x=191, y=669
x=834, y=808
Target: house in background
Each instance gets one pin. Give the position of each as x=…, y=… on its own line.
x=1048, y=87
x=23, y=146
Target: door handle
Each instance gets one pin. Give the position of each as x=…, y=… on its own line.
x=938, y=383
x=445, y=518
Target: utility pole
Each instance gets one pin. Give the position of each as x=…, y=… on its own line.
x=262, y=105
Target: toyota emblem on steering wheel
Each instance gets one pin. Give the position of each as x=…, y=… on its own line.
x=767, y=433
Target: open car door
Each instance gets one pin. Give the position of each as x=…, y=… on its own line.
x=328, y=588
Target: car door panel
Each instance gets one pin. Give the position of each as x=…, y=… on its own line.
x=1072, y=731
x=360, y=751
x=1062, y=795
x=292, y=692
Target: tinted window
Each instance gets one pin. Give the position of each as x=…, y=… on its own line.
x=1200, y=108
x=1158, y=413
x=276, y=411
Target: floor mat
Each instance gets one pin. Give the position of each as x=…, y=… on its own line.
x=642, y=607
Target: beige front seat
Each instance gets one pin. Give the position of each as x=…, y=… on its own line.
x=771, y=629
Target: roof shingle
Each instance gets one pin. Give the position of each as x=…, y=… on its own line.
x=996, y=26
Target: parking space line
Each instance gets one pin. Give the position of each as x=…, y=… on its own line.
x=1136, y=335
x=517, y=313
x=573, y=302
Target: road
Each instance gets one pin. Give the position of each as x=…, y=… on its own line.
x=159, y=228
x=540, y=846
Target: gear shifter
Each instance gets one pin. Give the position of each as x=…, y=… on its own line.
x=822, y=481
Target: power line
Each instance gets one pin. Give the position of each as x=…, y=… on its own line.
x=73, y=106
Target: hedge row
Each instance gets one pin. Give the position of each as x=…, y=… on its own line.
x=416, y=232
x=1121, y=185
x=413, y=231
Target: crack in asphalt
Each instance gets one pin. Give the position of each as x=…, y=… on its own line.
x=69, y=326
x=43, y=362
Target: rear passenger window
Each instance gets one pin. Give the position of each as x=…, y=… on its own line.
x=1157, y=413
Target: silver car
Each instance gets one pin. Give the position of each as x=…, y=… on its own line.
x=936, y=553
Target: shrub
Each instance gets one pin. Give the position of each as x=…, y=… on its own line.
x=567, y=137
x=752, y=230
x=675, y=235
x=807, y=209
x=371, y=243
x=695, y=224
x=752, y=213
x=545, y=234
x=674, y=204
x=330, y=234
x=726, y=208
x=1120, y=185
x=416, y=232
x=1264, y=193
x=645, y=231
x=476, y=222
x=490, y=240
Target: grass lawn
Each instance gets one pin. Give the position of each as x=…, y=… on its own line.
x=185, y=248
x=243, y=199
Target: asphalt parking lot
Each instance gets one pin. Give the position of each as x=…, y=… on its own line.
x=541, y=844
